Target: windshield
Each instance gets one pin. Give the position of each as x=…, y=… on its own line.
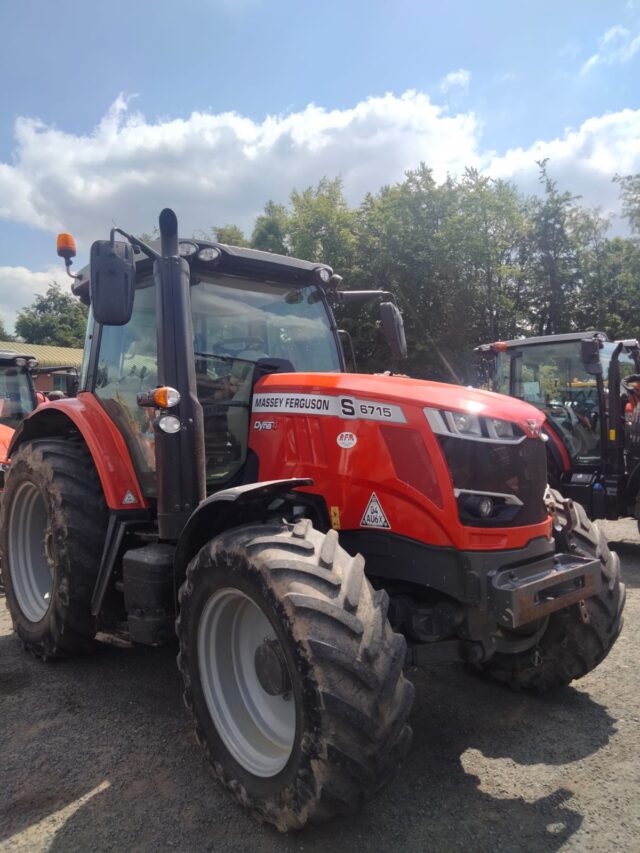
x=237, y=322
x=238, y=318
x=16, y=397
x=552, y=377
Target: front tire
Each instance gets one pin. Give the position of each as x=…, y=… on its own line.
x=292, y=672
x=52, y=529
x=577, y=639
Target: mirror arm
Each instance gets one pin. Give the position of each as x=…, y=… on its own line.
x=136, y=243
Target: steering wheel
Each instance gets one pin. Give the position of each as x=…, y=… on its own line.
x=240, y=344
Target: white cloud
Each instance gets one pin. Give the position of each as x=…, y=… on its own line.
x=455, y=80
x=616, y=46
x=583, y=160
x=19, y=286
x=218, y=168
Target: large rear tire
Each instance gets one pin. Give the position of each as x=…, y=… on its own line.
x=577, y=639
x=52, y=530
x=292, y=672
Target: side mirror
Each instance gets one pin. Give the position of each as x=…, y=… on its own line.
x=113, y=275
x=71, y=383
x=393, y=329
x=590, y=356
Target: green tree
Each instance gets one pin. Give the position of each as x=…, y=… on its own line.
x=630, y=193
x=230, y=235
x=402, y=247
x=55, y=318
x=552, y=266
x=321, y=225
x=4, y=335
x=487, y=229
x=467, y=259
x=271, y=229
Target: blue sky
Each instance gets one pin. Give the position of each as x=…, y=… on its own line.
x=114, y=110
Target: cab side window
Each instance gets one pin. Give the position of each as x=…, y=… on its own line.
x=128, y=364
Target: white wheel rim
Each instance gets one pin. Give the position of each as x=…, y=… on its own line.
x=31, y=571
x=257, y=728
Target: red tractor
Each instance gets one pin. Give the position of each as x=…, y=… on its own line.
x=216, y=473
x=17, y=399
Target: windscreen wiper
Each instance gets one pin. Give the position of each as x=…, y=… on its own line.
x=232, y=358
x=227, y=358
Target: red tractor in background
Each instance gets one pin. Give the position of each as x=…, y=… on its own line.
x=19, y=397
x=588, y=388
x=216, y=474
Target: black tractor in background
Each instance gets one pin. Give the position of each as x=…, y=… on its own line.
x=589, y=389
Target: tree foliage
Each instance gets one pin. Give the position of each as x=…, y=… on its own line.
x=55, y=318
x=4, y=335
x=230, y=235
x=630, y=192
x=468, y=260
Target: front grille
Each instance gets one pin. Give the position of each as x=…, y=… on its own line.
x=518, y=469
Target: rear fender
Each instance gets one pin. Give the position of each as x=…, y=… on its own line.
x=108, y=449
x=230, y=508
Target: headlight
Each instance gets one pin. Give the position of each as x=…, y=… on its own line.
x=473, y=427
x=503, y=429
x=186, y=248
x=209, y=254
x=464, y=423
x=169, y=424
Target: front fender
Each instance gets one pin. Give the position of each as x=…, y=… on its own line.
x=108, y=449
x=226, y=509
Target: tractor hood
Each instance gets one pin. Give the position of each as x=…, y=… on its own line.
x=309, y=393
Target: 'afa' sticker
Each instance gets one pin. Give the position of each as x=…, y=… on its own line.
x=374, y=514
x=346, y=440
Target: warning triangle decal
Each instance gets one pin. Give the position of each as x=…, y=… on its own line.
x=374, y=514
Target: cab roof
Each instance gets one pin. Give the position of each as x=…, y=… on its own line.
x=234, y=260
x=8, y=357
x=556, y=339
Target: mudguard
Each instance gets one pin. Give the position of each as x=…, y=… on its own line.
x=225, y=509
x=105, y=442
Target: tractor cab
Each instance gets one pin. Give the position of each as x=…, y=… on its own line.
x=586, y=386
x=17, y=392
x=248, y=314
x=17, y=399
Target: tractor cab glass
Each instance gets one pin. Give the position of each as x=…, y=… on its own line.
x=17, y=399
x=553, y=377
x=237, y=322
x=626, y=364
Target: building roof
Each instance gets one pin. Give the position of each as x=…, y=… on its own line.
x=46, y=356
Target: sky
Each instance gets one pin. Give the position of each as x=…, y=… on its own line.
x=110, y=112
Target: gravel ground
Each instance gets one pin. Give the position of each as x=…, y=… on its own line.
x=97, y=754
